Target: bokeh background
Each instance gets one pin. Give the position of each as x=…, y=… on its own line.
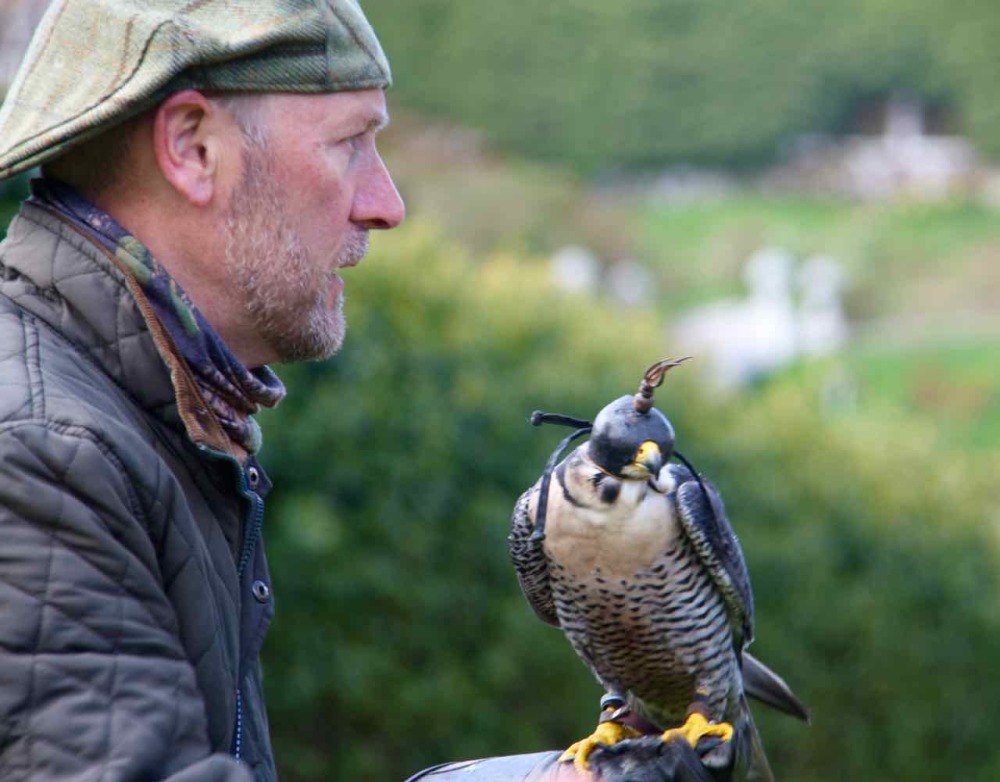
x=805, y=196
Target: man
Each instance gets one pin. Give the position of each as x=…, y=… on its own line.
x=208, y=169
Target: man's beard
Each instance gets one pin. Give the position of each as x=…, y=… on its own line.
x=283, y=288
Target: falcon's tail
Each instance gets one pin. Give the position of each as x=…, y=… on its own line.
x=763, y=684
x=751, y=763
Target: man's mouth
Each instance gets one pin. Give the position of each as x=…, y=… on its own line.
x=353, y=250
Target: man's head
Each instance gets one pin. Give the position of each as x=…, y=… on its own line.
x=253, y=179
x=285, y=242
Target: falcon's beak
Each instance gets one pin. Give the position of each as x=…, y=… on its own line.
x=649, y=457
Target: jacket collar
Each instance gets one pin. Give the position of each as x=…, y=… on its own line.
x=66, y=280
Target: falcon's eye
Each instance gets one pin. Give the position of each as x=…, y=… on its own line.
x=596, y=478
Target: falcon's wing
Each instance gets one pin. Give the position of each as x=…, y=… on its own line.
x=706, y=525
x=530, y=562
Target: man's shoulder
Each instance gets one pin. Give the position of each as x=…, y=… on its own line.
x=46, y=379
x=68, y=328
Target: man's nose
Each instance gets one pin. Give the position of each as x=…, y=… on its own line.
x=377, y=203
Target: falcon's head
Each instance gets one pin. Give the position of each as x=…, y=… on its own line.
x=630, y=443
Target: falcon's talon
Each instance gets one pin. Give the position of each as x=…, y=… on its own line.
x=696, y=728
x=606, y=734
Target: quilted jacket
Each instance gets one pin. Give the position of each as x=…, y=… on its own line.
x=134, y=593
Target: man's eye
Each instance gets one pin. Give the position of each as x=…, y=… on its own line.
x=355, y=142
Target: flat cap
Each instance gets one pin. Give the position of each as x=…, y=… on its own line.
x=93, y=64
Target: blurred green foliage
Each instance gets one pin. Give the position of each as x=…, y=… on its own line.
x=401, y=637
x=643, y=83
x=11, y=192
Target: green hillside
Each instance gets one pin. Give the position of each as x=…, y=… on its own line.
x=647, y=83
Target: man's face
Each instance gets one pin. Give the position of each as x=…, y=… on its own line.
x=311, y=188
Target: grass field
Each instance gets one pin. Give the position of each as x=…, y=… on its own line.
x=943, y=259
x=954, y=388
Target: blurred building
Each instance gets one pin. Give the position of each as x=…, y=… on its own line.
x=789, y=312
x=898, y=151
x=575, y=269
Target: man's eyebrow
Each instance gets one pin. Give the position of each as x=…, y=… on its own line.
x=376, y=123
x=359, y=126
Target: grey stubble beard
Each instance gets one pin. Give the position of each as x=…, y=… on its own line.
x=283, y=289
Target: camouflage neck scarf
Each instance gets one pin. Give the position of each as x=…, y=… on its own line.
x=233, y=392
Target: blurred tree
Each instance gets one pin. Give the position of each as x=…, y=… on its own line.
x=401, y=638
x=966, y=33
x=656, y=82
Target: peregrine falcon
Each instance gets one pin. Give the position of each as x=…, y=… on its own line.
x=634, y=558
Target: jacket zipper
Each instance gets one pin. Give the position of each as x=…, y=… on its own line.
x=252, y=532
x=249, y=542
x=238, y=729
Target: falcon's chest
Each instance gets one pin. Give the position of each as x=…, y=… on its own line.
x=586, y=534
x=658, y=633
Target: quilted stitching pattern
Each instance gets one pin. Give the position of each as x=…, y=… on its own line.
x=118, y=587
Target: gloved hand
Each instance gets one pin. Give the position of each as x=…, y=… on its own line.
x=644, y=759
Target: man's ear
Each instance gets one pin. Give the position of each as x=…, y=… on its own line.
x=193, y=139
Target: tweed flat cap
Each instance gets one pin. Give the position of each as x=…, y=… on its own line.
x=95, y=63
